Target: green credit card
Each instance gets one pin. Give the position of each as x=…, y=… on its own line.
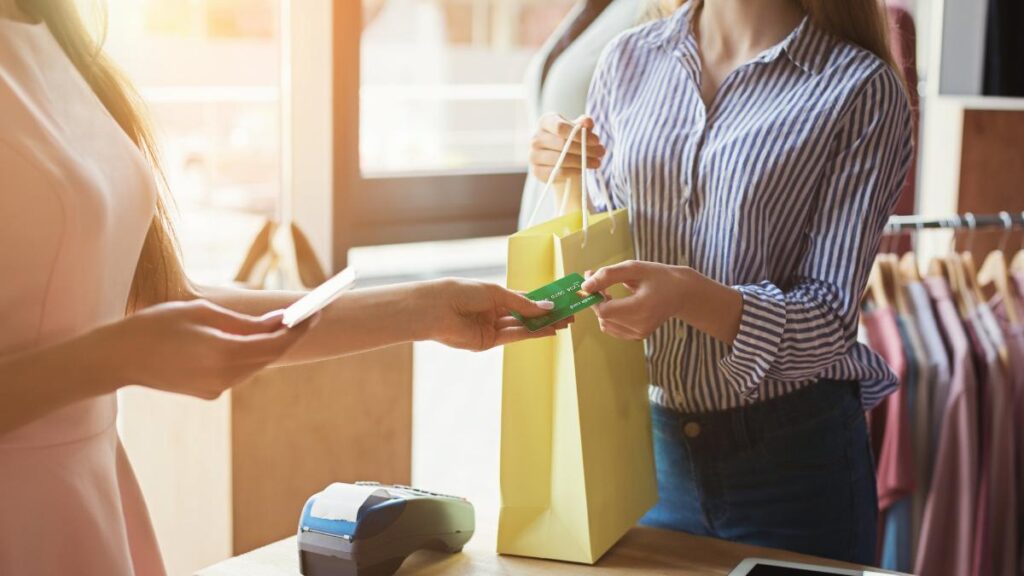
x=568, y=298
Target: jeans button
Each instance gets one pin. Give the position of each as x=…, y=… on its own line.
x=691, y=429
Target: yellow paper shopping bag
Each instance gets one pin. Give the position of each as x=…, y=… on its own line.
x=577, y=465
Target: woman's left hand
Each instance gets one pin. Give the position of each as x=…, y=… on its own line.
x=657, y=294
x=476, y=315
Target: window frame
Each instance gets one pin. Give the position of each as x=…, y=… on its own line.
x=372, y=209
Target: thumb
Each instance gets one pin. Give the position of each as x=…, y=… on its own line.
x=272, y=345
x=609, y=276
x=515, y=302
x=231, y=322
x=586, y=121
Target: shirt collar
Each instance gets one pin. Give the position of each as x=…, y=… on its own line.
x=805, y=46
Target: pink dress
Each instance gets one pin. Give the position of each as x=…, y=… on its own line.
x=76, y=199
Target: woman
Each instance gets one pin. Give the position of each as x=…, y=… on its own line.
x=560, y=73
x=760, y=146
x=84, y=238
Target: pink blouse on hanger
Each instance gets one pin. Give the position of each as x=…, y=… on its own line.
x=76, y=200
x=995, y=535
x=947, y=530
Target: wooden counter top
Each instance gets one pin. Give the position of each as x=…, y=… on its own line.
x=645, y=551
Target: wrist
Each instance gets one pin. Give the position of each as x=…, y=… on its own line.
x=683, y=292
x=105, y=365
x=426, y=305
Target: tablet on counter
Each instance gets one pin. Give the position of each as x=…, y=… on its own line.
x=764, y=567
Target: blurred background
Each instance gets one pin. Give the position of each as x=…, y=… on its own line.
x=395, y=133
x=441, y=91
x=241, y=97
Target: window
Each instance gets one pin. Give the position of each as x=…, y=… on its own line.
x=442, y=82
x=434, y=89
x=216, y=115
x=430, y=127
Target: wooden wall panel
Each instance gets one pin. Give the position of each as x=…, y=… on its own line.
x=297, y=429
x=992, y=171
x=180, y=448
x=227, y=476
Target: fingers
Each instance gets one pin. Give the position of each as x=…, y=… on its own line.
x=512, y=322
x=548, y=159
x=232, y=322
x=507, y=322
x=616, y=330
x=564, y=323
x=269, y=316
x=266, y=347
x=515, y=302
x=609, y=276
x=617, y=309
x=604, y=294
x=552, y=142
x=550, y=139
x=586, y=121
x=518, y=333
x=559, y=126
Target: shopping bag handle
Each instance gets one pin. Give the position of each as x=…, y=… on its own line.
x=577, y=128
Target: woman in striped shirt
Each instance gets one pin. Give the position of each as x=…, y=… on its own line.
x=760, y=147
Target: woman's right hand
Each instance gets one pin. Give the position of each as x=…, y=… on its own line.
x=196, y=347
x=546, y=146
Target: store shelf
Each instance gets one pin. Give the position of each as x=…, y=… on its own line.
x=983, y=102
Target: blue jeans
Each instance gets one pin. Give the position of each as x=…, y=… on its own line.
x=794, y=472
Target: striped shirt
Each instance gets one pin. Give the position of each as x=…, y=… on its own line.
x=780, y=189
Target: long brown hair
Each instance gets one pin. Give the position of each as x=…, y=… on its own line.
x=159, y=275
x=859, y=22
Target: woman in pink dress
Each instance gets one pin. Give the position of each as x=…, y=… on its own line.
x=93, y=298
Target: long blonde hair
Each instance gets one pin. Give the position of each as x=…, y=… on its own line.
x=860, y=22
x=159, y=275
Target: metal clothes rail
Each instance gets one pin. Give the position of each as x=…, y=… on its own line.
x=968, y=221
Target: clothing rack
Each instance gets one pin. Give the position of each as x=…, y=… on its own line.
x=968, y=221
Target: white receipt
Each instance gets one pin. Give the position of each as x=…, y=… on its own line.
x=342, y=501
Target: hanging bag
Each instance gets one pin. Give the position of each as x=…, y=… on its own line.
x=577, y=464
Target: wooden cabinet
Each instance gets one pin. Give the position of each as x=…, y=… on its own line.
x=992, y=173
x=972, y=154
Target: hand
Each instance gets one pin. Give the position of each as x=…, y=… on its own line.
x=196, y=347
x=657, y=291
x=547, y=144
x=475, y=315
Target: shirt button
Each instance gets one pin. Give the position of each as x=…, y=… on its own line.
x=680, y=332
x=691, y=429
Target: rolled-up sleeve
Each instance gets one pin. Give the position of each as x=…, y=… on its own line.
x=796, y=332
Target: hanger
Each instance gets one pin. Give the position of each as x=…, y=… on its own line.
x=939, y=265
x=968, y=268
x=1018, y=261
x=949, y=267
x=908, y=269
x=994, y=271
x=891, y=278
x=876, y=292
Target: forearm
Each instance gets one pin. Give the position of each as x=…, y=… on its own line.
x=359, y=320
x=709, y=306
x=38, y=382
